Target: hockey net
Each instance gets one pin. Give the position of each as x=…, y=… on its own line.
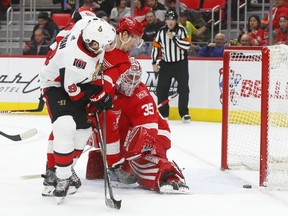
x=255, y=112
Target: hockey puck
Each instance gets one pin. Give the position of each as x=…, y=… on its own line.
x=247, y=186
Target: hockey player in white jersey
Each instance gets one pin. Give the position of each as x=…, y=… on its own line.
x=66, y=82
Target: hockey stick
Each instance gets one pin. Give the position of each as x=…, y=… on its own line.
x=22, y=136
x=167, y=100
x=38, y=109
x=112, y=203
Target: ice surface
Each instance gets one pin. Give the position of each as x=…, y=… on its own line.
x=196, y=147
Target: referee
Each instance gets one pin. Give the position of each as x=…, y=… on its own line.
x=173, y=42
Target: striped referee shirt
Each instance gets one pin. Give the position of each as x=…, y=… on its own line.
x=172, y=50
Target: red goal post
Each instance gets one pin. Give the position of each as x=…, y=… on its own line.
x=255, y=112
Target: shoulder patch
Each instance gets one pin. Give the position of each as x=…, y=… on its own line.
x=142, y=94
x=79, y=63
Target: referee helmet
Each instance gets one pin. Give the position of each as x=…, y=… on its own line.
x=171, y=15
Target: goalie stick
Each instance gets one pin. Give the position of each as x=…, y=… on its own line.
x=112, y=203
x=38, y=109
x=19, y=137
x=167, y=100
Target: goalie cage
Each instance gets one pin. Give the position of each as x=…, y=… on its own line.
x=255, y=112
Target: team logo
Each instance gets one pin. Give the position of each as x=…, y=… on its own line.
x=142, y=94
x=152, y=81
x=234, y=80
x=79, y=63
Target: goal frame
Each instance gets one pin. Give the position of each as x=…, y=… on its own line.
x=264, y=107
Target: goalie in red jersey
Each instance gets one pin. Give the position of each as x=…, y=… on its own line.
x=116, y=62
x=144, y=138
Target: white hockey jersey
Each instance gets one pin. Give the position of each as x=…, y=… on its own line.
x=70, y=65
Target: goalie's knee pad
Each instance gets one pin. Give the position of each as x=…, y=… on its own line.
x=95, y=165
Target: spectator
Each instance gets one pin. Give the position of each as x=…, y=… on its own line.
x=4, y=5
x=256, y=33
x=121, y=10
x=215, y=49
x=152, y=28
x=245, y=40
x=274, y=38
x=49, y=27
x=150, y=32
x=158, y=8
x=102, y=14
x=140, y=10
x=171, y=4
x=191, y=30
x=67, y=6
x=282, y=32
x=278, y=9
x=105, y=5
x=38, y=46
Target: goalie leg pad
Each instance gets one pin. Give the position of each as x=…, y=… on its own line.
x=159, y=174
x=95, y=165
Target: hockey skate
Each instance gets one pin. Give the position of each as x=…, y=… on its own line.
x=171, y=184
x=121, y=178
x=75, y=183
x=61, y=189
x=49, y=182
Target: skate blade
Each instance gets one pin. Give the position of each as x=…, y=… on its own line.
x=168, y=189
x=60, y=200
x=72, y=190
x=48, y=191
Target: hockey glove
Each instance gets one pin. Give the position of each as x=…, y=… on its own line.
x=90, y=89
x=102, y=101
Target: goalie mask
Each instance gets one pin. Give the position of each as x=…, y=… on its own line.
x=99, y=36
x=130, y=80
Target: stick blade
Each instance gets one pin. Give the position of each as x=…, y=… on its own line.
x=113, y=203
x=28, y=134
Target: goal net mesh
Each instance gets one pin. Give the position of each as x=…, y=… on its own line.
x=244, y=113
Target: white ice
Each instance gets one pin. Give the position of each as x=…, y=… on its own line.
x=196, y=147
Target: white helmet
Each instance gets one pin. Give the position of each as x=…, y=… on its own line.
x=100, y=31
x=130, y=80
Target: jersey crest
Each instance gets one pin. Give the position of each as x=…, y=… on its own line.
x=142, y=94
x=79, y=63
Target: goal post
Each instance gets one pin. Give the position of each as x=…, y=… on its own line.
x=255, y=112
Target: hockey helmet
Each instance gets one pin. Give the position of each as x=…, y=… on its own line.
x=98, y=30
x=131, y=25
x=171, y=15
x=130, y=80
x=82, y=12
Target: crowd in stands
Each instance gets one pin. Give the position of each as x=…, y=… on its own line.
x=151, y=14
